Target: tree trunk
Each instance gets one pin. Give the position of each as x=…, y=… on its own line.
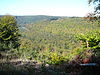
x=87, y=44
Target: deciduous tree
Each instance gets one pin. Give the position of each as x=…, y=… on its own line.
x=97, y=5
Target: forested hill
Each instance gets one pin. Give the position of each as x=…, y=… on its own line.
x=22, y=20
x=30, y=19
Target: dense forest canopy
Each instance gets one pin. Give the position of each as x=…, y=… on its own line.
x=50, y=45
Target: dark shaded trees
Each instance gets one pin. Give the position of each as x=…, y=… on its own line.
x=97, y=5
x=96, y=12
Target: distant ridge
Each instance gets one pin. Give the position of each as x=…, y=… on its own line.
x=28, y=19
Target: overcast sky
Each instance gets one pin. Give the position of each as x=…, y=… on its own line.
x=44, y=7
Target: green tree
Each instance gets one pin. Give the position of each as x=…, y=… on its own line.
x=91, y=39
x=9, y=35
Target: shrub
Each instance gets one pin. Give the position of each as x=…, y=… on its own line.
x=55, y=58
x=91, y=39
x=9, y=35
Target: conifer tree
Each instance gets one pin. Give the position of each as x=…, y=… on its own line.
x=9, y=35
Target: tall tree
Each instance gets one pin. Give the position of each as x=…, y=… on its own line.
x=9, y=35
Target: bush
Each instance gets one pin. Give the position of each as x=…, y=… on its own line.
x=9, y=35
x=55, y=58
x=91, y=39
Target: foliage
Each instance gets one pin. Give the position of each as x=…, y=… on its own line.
x=91, y=39
x=9, y=35
x=96, y=12
x=56, y=58
x=91, y=43
x=52, y=57
x=97, y=5
x=59, y=36
x=25, y=50
x=53, y=42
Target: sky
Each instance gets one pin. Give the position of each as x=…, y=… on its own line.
x=44, y=7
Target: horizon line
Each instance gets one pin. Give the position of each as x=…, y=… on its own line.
x=44, y=15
